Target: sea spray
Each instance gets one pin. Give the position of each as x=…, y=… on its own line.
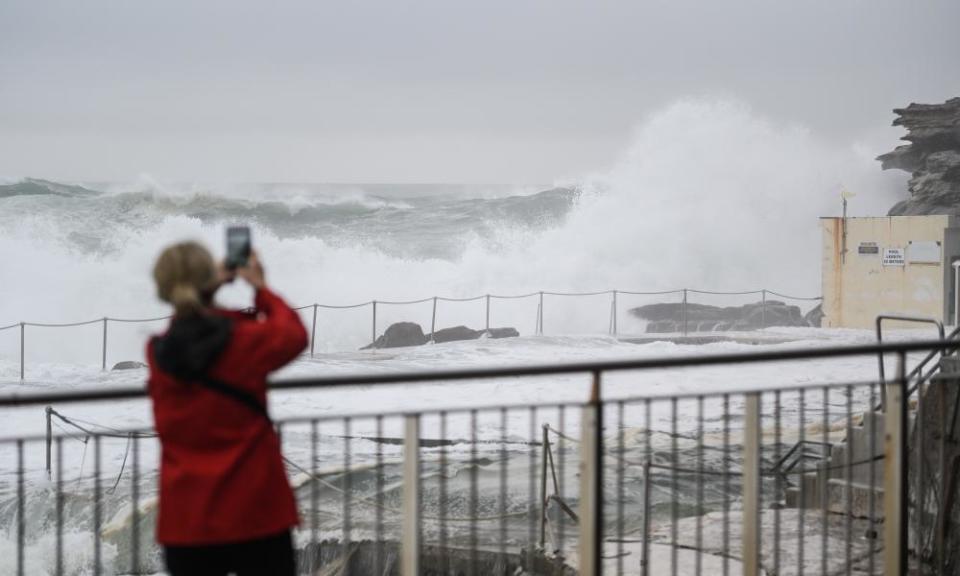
x=708, y=195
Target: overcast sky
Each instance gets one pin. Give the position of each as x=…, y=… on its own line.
x=440, y=91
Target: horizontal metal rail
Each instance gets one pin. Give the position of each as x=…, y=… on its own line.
x=131, y=392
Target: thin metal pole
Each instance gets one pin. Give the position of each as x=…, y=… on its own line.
x=313, y=330
x=488, y=313
x=21, y=510
x=374, y=339
x=135, y=498
x=763, y=308
x=613, y=314
x=97, y=508
x=956, y=293
x=433, y=320
x=22, y=333
x=647, y=456
x=49, y=412
x=894, y=485
x=683, y=311
x=540, y=316
x=58, y=554
x=751, y=486
x=103, y=364
x=410, y=561
x=543, y=487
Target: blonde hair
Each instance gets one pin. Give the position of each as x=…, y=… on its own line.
x=185, y=275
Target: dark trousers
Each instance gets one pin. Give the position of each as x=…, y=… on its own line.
x=272, y=555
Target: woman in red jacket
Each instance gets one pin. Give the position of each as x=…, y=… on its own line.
x=225, y=503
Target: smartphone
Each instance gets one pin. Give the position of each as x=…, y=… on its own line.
x=238, y=246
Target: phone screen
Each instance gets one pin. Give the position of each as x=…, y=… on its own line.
x=238, y=246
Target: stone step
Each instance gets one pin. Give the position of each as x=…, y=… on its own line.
x=860, y=494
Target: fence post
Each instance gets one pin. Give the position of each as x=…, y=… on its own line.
x=22, y=331
x=49, y=437
x=613, y=314
x=763, y=308
x=894, y=475
x=103, y=363
x=433, y=320
x=488, y=314
x=540, y=316
x=374, y=339
x=313, y=330
x=683, y=311
x=410, y=562
x=591, y=484
x=751, y=486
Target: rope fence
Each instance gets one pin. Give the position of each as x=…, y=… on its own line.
x=613, y=326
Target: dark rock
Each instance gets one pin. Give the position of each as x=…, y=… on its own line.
x=398, y=335
x=705, y=318
x=128, y=365
x=502, y=333
x=411, y=334
x=454, y=334
x=815, y=317
x=932, y=157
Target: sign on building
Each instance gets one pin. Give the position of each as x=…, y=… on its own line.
x=868, y=248
x=893, y=257
x=923, y=252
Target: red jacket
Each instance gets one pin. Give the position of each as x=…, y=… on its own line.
x=222, y=478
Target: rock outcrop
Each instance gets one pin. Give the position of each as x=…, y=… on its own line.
x=932, y=157
x=128, y=365
x=665, y=318
x=403, y=334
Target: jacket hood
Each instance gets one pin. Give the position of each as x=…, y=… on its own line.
x=192, y=345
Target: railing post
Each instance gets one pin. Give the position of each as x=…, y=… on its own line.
x=488, y=313
x=374, y=339
x=763, y=308
x=433, y=320
x=22, y=346
x=683, y=311
x=751, y=486
x=543, y=487
x=894, y=474
x=645, y=552
x=591, y=485
x=103, y=362
x=49, y=438
x=313, y=330
x=410, y=562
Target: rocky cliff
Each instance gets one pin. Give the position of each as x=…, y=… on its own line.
x=932, y=157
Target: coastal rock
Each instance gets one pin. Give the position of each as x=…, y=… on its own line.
x=128, y=365
x=815, y=316
x=501, y=333
x=668, y=317
x=932, y=157
x=454, y=334
x=399, y=335
x=411, y=334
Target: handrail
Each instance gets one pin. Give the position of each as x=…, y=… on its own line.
x=915, y=319
x=461, y=374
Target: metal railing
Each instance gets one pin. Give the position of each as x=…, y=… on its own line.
x=678, y=483
x=613, y=319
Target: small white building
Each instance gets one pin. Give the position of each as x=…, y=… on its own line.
x=889, y=264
